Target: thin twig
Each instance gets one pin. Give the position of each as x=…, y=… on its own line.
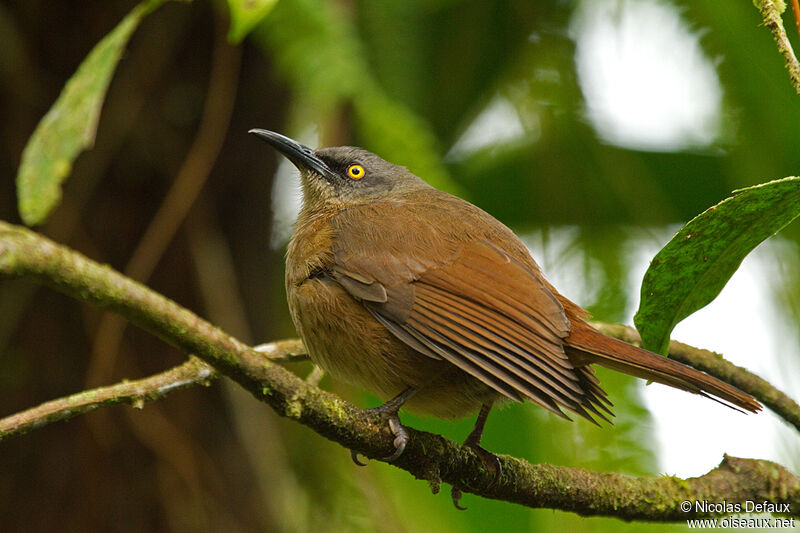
x=135, y=393
x=427, y=456
x=772, y=20
x=796, y=14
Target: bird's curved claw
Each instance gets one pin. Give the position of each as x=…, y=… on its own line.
x=400, y=437
x=455, y=494
x=489, y=459
x=356, y=460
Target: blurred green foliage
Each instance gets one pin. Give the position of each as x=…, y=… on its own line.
x=403, y=79
x=319, y=50
x=245, y=15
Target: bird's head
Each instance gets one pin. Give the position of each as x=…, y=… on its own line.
x=341, y=175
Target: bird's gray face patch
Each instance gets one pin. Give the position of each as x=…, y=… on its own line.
x=358, y=174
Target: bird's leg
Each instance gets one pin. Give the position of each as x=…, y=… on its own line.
x=388, y=412
x=473, y=441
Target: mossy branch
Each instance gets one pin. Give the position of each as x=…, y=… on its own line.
x=772, y=20
x=430, y=457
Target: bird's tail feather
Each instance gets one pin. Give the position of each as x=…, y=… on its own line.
x=587, y=345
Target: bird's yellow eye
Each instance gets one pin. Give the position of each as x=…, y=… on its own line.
x=356, y=172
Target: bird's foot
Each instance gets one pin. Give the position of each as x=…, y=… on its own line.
x=490, y=460
x=455, y=494
x=388, y=412
x=356, y=460
x=400, y=437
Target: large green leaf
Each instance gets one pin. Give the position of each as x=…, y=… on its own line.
x=69, y=126
x=245, y=14
x=691, y=270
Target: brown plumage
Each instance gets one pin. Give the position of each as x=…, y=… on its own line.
x=395, y=286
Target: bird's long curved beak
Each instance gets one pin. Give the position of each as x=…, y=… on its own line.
x=301, y=156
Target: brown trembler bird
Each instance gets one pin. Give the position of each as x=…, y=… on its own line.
x=434, y=305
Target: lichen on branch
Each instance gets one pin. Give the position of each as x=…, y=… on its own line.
x=772, y=20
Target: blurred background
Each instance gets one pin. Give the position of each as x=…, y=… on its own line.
x=593, y=128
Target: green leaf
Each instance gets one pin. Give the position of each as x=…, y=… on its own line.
x=70, y=125
x=245, y=14
x=691, y=270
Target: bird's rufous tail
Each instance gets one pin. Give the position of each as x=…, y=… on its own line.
x=587, y=345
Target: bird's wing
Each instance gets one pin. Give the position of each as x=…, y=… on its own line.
x=475, y=306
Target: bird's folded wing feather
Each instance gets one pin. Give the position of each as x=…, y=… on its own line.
x=480, y=309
